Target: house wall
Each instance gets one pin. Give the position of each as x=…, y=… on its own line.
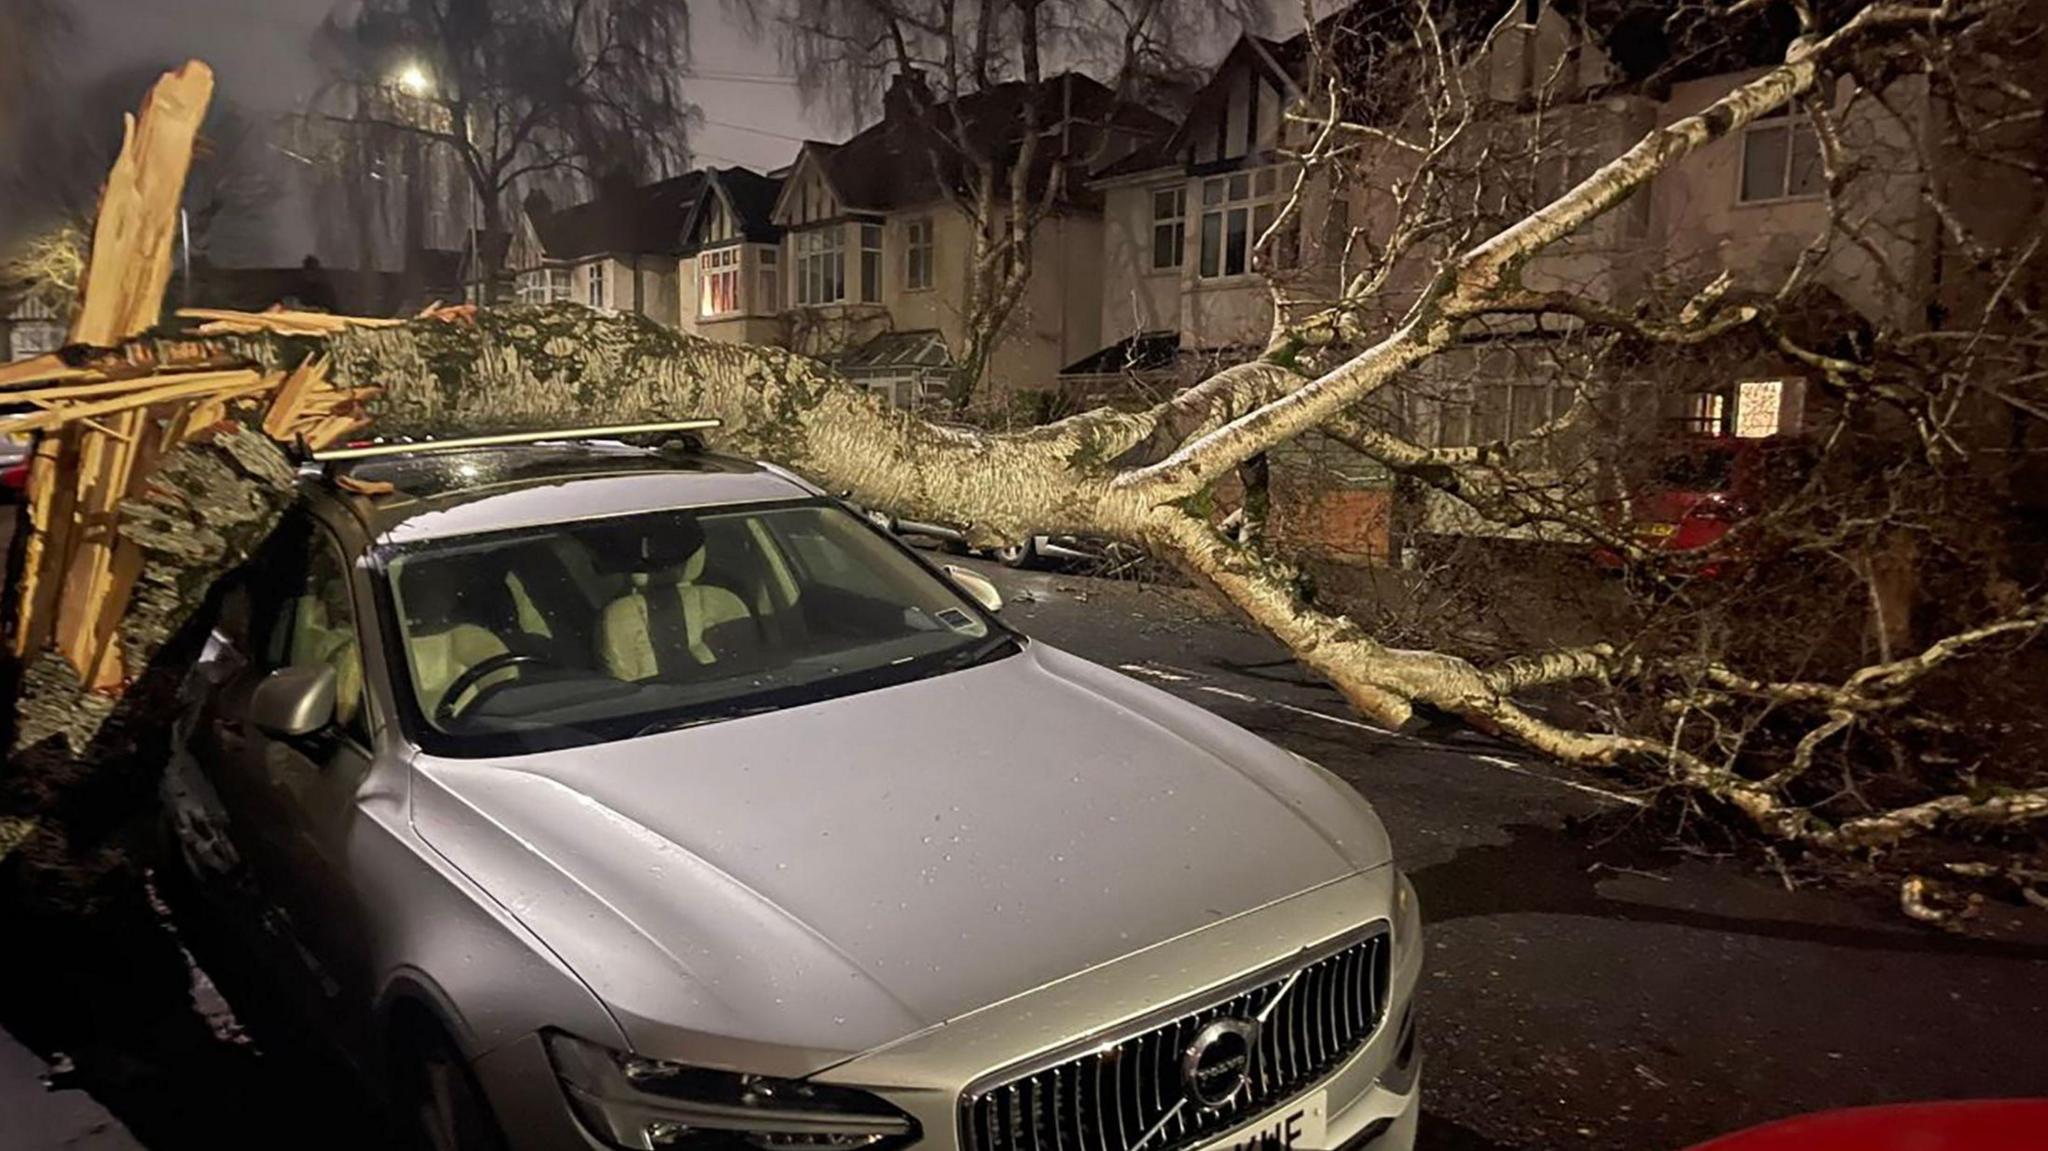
x=1697, y=213
x=1135, y=298
x=1217, y=312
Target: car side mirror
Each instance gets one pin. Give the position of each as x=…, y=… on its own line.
x=976, y=585
x=293, y=701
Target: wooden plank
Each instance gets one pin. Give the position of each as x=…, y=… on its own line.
x=280, y=318
x=45, y=552
x=130, y=265
x=333, y=429
x=306, y=379
x=41, y=369
x=99, y=388
x=106, y=464
x=191, y=385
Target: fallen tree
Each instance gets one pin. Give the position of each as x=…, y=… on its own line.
x=164, y=458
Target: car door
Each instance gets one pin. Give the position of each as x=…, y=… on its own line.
x=293, y=802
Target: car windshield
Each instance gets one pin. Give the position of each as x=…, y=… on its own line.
x=580, y=633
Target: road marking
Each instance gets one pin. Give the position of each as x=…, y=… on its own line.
x=1154, y=671
x=1589, y=789
x=1308, y=711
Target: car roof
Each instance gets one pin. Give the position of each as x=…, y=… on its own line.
x=435, y=494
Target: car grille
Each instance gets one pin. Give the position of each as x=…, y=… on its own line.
x=1130, y=1094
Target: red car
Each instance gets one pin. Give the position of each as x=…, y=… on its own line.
x=1967, y=1125
x=1703, y=488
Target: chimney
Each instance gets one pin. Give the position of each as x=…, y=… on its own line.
x=908, y=95
x=538, y=204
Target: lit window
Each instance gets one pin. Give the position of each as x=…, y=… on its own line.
x=594, y=279
x=1169, y=227
x=718, y=276
x=1706, y=413
x=1781, y=160
x=1236, y=211
x=1758, y=405
x=919, y=246
x=821, y=266
x=870, y=263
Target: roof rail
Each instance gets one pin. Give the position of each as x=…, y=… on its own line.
x=419, y=447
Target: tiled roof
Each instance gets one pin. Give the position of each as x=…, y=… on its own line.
x=644, y=219
x=904, y=158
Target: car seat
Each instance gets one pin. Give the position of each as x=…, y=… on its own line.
x=441, y=635
x=669, y=622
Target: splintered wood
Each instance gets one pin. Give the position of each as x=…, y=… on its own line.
x=103, y=419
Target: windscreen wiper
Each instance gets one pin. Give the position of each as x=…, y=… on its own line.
x=678, y=724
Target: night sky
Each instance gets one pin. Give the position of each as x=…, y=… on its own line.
x=258, y=49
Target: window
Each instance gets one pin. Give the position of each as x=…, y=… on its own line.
x=1493, y=411
x=821, y=266
x=594, y=284
x=770, y=299
x=1169, y=227
x=545, y=286
x=315, y=624
x=1236, y=210
x=870, y=263
x=1781, y=160
x=718, y=278
x=1706, y=413
x=34, y=337
x=1759, y=406
x=918, y=248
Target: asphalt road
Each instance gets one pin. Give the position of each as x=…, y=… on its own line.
x=1584, y=988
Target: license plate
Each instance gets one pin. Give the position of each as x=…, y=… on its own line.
x=1302, y=1125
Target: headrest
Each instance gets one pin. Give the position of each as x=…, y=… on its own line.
x=431, y=592
x=671, y=551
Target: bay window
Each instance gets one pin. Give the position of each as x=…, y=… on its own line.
x=718, y=276
x=821, y=266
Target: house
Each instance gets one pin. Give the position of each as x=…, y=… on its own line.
x=879, y=243
x=617, y=250
x=29, y=326
x=1183, y=267
x=730, y=268
x=1183, y=218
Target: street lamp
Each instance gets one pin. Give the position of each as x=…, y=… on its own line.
x=413, y=80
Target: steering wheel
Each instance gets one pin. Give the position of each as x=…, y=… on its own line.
x=447, y=710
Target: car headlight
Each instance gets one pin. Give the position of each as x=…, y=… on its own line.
x=651, y=1103
x=1407, y=914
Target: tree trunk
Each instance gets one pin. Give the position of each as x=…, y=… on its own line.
x=83, y=765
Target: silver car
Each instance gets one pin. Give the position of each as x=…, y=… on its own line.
x=591, y=796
